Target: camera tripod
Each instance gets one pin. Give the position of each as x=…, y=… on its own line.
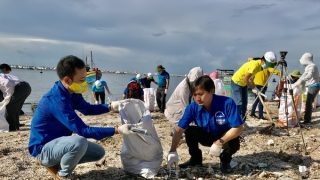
x=287, y=86
x=283, y=73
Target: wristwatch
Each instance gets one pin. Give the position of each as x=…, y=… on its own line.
x=221, y=141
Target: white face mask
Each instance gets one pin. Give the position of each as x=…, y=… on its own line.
x=264, y=66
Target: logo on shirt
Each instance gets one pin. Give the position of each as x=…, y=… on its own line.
x=220, y=118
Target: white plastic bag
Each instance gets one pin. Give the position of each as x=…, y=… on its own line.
x=4, y=126
x=219, y=87
x=141, y=153
x=292, y=118
x=149, y=98
x=111, y=98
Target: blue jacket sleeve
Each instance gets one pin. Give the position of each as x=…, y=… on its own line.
x=233, y=115
x=67, y=116
x=187, y=117
x=86, y=108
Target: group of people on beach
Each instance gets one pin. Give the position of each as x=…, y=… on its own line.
x=212, y=120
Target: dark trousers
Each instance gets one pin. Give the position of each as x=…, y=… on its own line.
x=21, y=92
x=161, y=98
x=195, y=135
x=102, y=96
x=312, y=94
x=260, y=107
x=240, y=97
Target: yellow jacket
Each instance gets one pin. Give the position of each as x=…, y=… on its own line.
x=262, y=76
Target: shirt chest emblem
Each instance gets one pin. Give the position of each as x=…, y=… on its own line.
x=220, y=118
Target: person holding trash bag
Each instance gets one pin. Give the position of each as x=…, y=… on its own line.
x=55, y=120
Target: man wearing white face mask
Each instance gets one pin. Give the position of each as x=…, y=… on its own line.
x=241, y=80
x=311, y=79
x=51, y=141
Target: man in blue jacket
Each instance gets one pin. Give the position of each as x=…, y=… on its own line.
x=218, y=125
x=51, y=141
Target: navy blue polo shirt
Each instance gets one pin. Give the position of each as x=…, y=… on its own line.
x=222, y=117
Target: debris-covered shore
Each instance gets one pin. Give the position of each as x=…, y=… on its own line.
x=264, y=154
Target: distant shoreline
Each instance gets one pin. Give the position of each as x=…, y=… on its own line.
x=103, y=71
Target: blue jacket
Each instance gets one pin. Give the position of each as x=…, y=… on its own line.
x=55, y=117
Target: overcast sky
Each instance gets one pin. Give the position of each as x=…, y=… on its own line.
x=137, y=35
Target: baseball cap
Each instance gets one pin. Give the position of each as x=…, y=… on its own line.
x=270, y=59
x=150, y=76
x=98, y=84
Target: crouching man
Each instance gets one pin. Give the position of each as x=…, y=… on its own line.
x=218, y=125
x=51, y=141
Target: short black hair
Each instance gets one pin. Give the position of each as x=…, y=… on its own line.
x=67, y=66
x=203, y=82
x=5, y=66
x=256, y=58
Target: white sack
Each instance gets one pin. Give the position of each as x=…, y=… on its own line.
x=292, y=119
x=219, y=87
x=149, y=98
x=141, y=154
x=4, y=126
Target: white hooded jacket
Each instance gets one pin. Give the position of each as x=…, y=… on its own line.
x=179, y=99
x=311, y=72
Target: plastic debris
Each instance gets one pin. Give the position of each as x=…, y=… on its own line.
x=303, y=170
x=270, y=142
x=262, y=165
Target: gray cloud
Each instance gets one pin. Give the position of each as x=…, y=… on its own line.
x=141, y=35
x=312, y=28
x=161, y=33
x=239, y=12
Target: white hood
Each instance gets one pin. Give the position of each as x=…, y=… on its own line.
x=306, y=59
x=195, y=73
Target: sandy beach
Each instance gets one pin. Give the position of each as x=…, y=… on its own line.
x=256, y=159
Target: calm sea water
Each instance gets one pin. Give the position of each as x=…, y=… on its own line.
x=42, y=83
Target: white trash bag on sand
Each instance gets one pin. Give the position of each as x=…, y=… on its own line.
x=141, y=153
x=149, y=98
x=4, y=126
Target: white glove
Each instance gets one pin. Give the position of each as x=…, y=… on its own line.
x=215, y=150
x=125, y=129
x=255, y=90
x=173, y=157
x=96, y=102
x=166, y=91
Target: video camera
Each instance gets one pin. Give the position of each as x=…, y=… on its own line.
x=283, y=57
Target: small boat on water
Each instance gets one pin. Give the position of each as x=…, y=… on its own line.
x=93, y=74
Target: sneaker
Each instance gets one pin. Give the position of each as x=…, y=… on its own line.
x=253, y=116
x=225, y=167
x=190, y=164
x=262, y=118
